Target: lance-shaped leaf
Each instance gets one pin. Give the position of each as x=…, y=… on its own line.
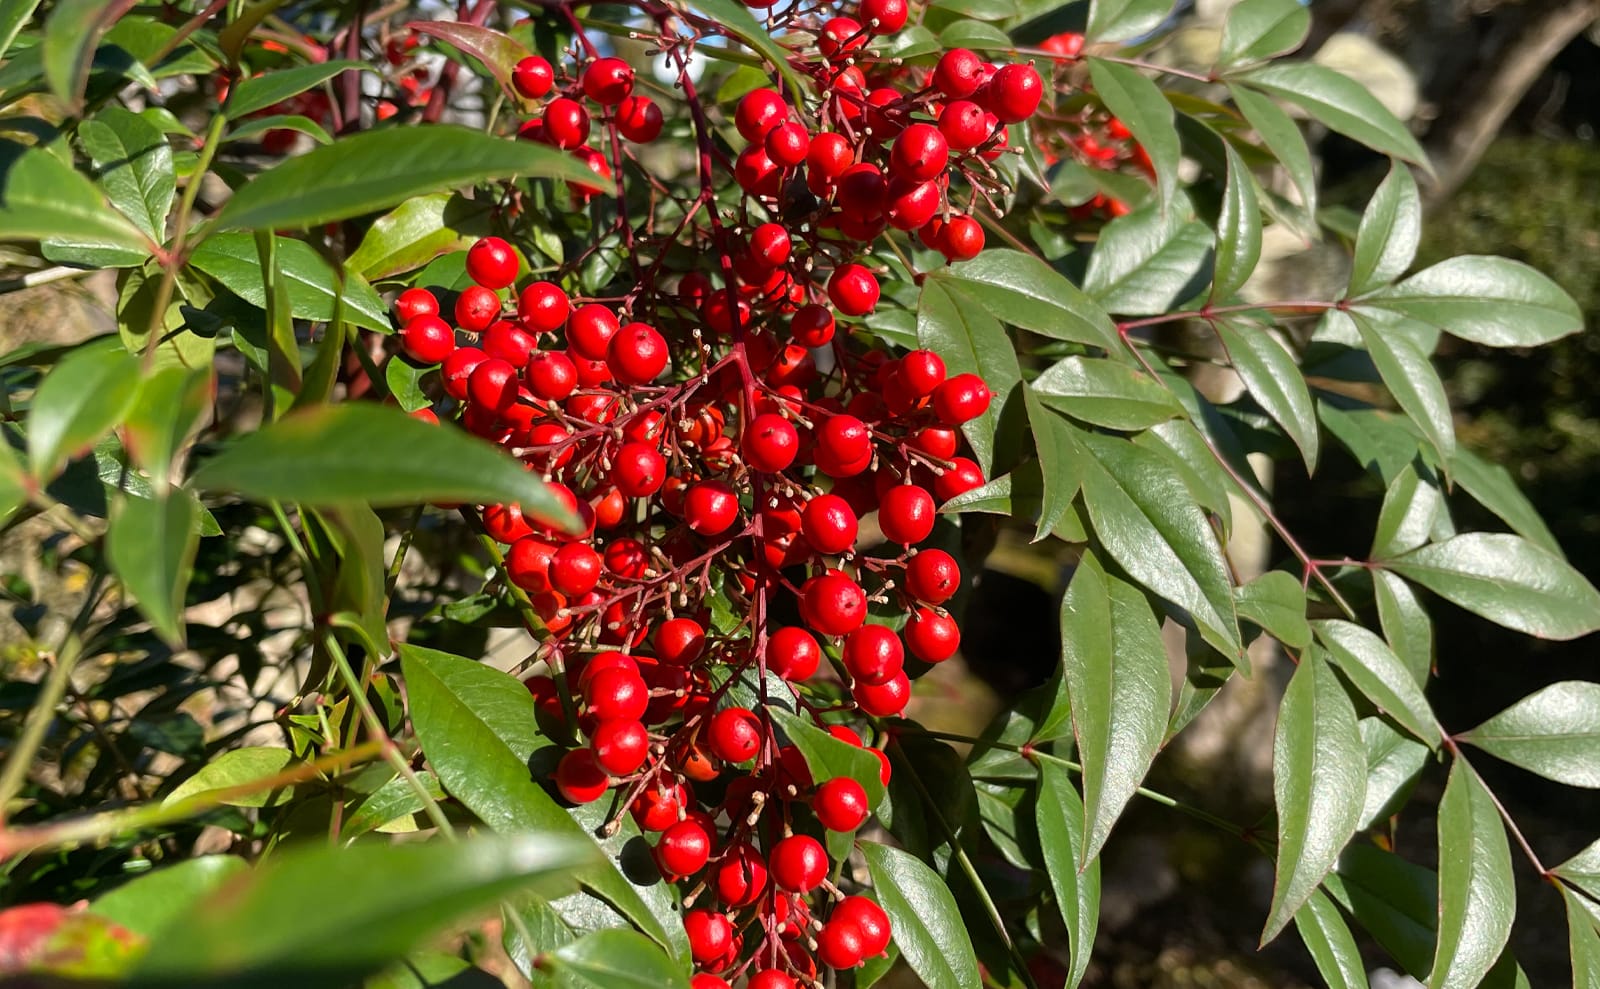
x=1340, y=103
x=416, y=232
x=1268, y=369
x=1327, y=937
x=971, y=341
x=1238, y=225
x=1106, y=393
x=1493, y=301
x=1380, y=675
x=1135, y=99
x=1477, y=897
x=1410, y=377
x=1259, y=29
x=312, y=286
x=1318, y=784
x=1394, y=761
x=1122, y=20
x=1147, y=261
x=1406, y=623
x=1058, y=817
x=79, y=401
x=499, y=53
x=1282, y=137
x=1583, y=870
x=1410, y=509
x=1390, y=230
x=134, y=162
x=1507, y=580
x=41, y=198
x=1554, y=732
x=150, y=544
x=924, y=920
x=1583, y=935
x=260, y=92
x=1026, y=292
x=1120, y=690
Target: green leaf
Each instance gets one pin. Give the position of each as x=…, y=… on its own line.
x=357, y=451
x=134, y=163
x=1406, y=624
x=84, y=396
x=259, y=92
x=42, y=198
x=828, y=757
x=1507, y=580
x=1256, y=30
x=1495, y=489
x=498, y=52
x=237, y=768
x=970, y=341
x=1138, y=102
x=374, y=903
x=1124, y=20
x=150, y=544
x=394, y=801
x=1149, y=260
x=1477, y=896
x=609, y=959
x=149, y=904
x=1017, y=493
x=312, y=284
x=1493, y=301
x=166, y=413
x=374, y=170
x=926, y=924
x=1024, y=291
x=1394, y=761
x=1268, y=369
x=477, y=728
x=418, y=231
x=1340, y=103
x=70, y=35
x=13, y=15
x=1116, y=675
x=1060, y=467
x=1058, y=816
x=1380, y=675
x=1583, y=870
x=1149, y=523
x=250, y=129
x=1411, y=378
x=1390, y=230
x=1583, y=933
x=14, y=485
x=1282, y=137
x=1238, y=223
x=1554, y=732
x=1327, y=937
x=1318, y=784
x=1276, y=601
x=404, y=380
x=1106, y=393
x=1410, y=508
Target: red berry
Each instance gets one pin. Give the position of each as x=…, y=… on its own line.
x=828, y=156
x=637, y=354
x=958, y=73
x=533, y=77
x=769, y=244
x=961, y=399
x=843, y=446
x=528, y=564
x=620, y=747
x=734, y=734
x=867, y=917
x=476, y=308
x=922, y=371
x=919, y=153
x=963, y=124
x=590, y=329
x=884, y=16
x=639, y=119
x=493, y=385
x=812, y=325
x=759, y=111
x=853, y=290
x=840, y=36
x=799, y=863
x=863, y=192
x=684, y=849
x=607, y=81
x=575, y=570
x=414, y=302
x=840, y=945
x=617, y=694
x=932, y=576
x=962, y=239
x=787, y=144
x=658, y=806
x=566, y=123
x=756, y=173
x=492, y=263
x=770, y=978
x=963, y=475
x=505, y=523
x=679, y=641
x=906, y=514
x=710, y=933
x=912, y=204
x=833, y=604
x=931, y=636
x=793, y=654
x=770, y=443
x=829, y=524
x=638, y=470
x=551, y=375
x=883, y=700
x=840, y=804
x=873, y=654
x=1014, y=93
x=428, y=339
x=580, y=778
x=704, y=980
x=544, y=307
x=741, y=876
x=710, y=507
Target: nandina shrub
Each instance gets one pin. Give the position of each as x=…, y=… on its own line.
x=684, y=342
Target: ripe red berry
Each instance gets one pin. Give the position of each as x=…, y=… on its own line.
x=493, y=385
x=620, y=747
x=705, y=980
x=884, y=16
x=734, y=734
x=756, y=173
x=792, y=653
x=580, y=778
x=931, y=636
x=637, y=354
x=741, y=876
x=829, y=524
x=961, y=399
x=759, y=111
x=840, y=804
x=862, y=192
x=476, y=308
x=684, y=849
x=770, y=978
x=533, y=77
x=770, y=443
x=492, y=263
x=414, y=302
x=828, y=156
x=607, y=81
x=528, y=564
x=922, y=371
x=617, y=694
x=428, y=339
x=840, y=36
x=769, y=244
x=799, y=863
x=912, y=204
x=710, y=507
x=958, y=73
x=833, y=604
x=590, y=329
x=867, y=917
x=551, y=375
x=843, y=446
x=812, y=325
x=964, y=124
x=544, y=307
x=962, y=239
x=638, y=470
x=906, y=514
x=883, y=700
x=919, y=153
x=839, y=945
x=639, y=119
x=932, y=576
x=566, y=123
x=679, y=641
x=710, y=933
x=853, y=290
x=787, y=144
x=873, y=654
x=575, y=569
x=1014, y=93
x=657, y=807
x=964, y=475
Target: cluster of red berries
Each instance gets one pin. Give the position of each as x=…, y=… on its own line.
x=722, y=435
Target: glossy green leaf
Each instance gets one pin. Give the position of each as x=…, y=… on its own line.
x=1507, y=580
x=416, y=232
x=1390, y=230
x=1406, y=623
x=150, y=545
x=1184, y=447
x=1149, y=260
x=1493, y=301
x=1017, y=493
x=828, y=757
x=609, y=959
x=1256, y=30
x=1318, y=784
x=149, y=904
x=1058, y=817
x=1115, y=667
x=134, y=163
x=87, y=393
x=1411, y=378
x=1135, y=99
x=357, y=451
x=971, y=341
x=1148, y=522
x=167, y=412
x=312, y=285
x=1283, y=138
x=70, y=35
x=1554, y=732
x=926, y=924
x=1394, y=761
x=392, y=807
x=41, y=198
x=373, y=904
x=259, y=92
x=404, y=380
x=1583, y=937
x=376, y=169
x=1477, y=897
x=1124, y=20
x=1495, y=489
x=499, y=53
x=1106, y=393
x=253, y=128
x=1410, y=508
x=1380, y=675
x=1277, y=602
x=477, y=728
x=1026, y=292
x=1583, y=870
x=1270, y=372
x=1238, y=224
x=13, y=15
x=1060, y=467
x=1327, y=937
x=239, y=768
x=1340, y=103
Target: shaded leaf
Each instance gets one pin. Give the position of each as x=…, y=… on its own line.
x=1583, y=935
x=313, y=286
x=1406, y=624
x=498, y=52
x=41, y=197
x=149, y=904
x=1410, y=508
x=1495, y=489
x=134, y=163
x=970, y=341
x=416, y=232
x=1058, y=816
x=167, y=412
x=1327, y=937
x=70, y=35
x=1394, y=761
x=609, y=959
x=259, y=92
x=1138, y=102
x=828, y=757
x=150, y=545
x=88, y=392
x=1268, y=369
x=1411, y=378
x=239, y=767
x=1124, y=20
x=1282, y=137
